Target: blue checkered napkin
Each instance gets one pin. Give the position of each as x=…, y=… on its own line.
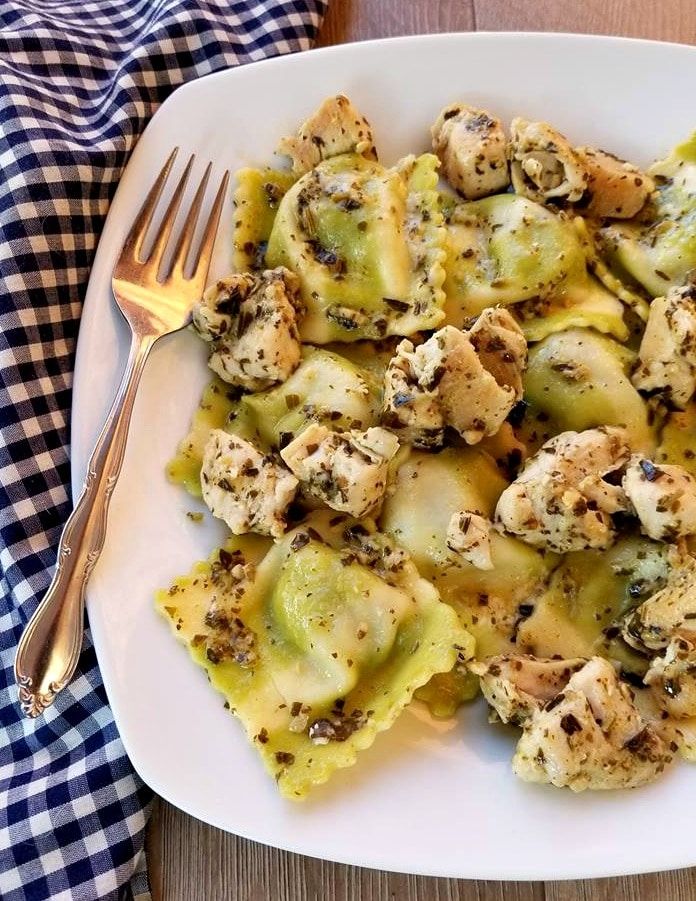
x=78, y=82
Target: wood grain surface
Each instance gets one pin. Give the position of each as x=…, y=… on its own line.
x=190, y=861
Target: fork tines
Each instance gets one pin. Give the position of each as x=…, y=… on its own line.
x=176, y=268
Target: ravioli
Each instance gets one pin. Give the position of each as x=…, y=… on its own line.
x=508, y=249
x=584, y=302
x=579, y=380
x=368, y=245
x=256, y=200
x=577, y=615
x=427, y=490
x=216, y=405
x=658, y=248
x=504, y=249
x=316, y=642
x=325, y=388
x=678, y=439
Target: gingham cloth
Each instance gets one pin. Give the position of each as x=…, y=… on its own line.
x=78, y=82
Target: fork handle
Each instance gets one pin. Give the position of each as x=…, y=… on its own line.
x=50, y=645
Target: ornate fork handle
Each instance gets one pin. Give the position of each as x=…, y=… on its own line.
x=50, y=645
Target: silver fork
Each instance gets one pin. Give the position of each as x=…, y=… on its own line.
x=155, y=298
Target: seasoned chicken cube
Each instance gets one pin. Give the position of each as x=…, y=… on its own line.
x=561, y=499
x=335, y=128
x=591, y=735
x=669, y=612
x=673, y=677
x=663, y=497
x=250, y=321
x=248, y=490
x=666, y=622
x=472, y=148
x=667, y=354
x=474, y=404
x=615, y=189
x=469, y=536
x=411, y=404
x=543, y=165
x=446, y=381
x=348, y=471
x=517, y=685
x=501, y=347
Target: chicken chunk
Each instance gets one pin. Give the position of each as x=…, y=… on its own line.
x=471, y=146
x=667, y=354
x=663, y=497
x=249, y=491
x=250, y=322
x=615, y=189
x=446, y=381
x=411, y=404
x=669, y=612
x=543, y=165
x=501, y=347
x=516, y=686
x=673, y=677
x=666, y=622
x=591, y=736
x=348, y=471
x=561, y=499
x=473, y=401
x=469, y=536
x=335, y=128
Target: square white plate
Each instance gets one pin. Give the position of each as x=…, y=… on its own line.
x=433, y=798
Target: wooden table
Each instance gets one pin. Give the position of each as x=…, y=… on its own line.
x=190, y=861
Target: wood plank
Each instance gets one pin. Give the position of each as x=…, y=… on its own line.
x=665, y=20
x=359, y=20
x=196, y=862
x=677, y=885
x=190, y=861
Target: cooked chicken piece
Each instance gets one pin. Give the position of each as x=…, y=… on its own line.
x=663, y=497
x=666, y=622
x=667, y=355
x=686, y=738
x=471, y=145
x=467, y=380
x=591, y=735
x=679, y=731
x=473, y=402
x=411, y=404
x=335, y=128
x=543, y=165
x=673, y=677
x=469, y=536
x=250, y=321
x=348, y=471
x=552, y=700
x=516, y=686
x=249, y=491
x=501, y=347
x=669, y=612
x=615, y=189
x=560, y=499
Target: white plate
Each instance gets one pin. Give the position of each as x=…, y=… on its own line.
x=429, y=797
